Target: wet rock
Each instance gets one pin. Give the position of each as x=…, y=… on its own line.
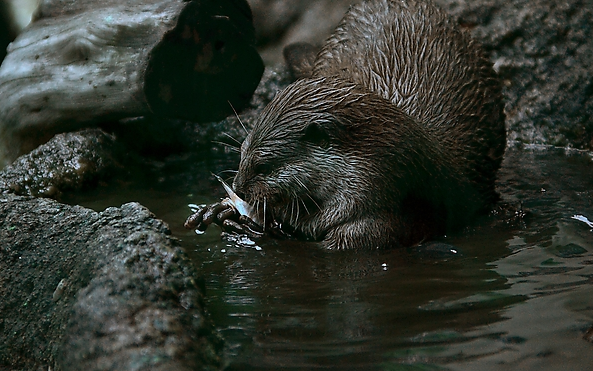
x=81, y=63
x=282, y=22
x=97, y=291
x=7, y=28
x=87, y=290
x=543, y=51
x=68, y=162
x=162, y=137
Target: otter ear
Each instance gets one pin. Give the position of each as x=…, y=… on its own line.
x=316, y=134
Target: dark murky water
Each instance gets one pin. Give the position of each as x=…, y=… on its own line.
x=517, y=296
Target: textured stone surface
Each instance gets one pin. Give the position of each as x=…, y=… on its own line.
x=281, y=22
x=543, y=51
x=68, y=162
x=96, y=291
x=81, y=63
x=88, y=290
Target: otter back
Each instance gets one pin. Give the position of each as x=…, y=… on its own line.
x=411, y=54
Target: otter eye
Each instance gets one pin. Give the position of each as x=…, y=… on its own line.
x=315, y=134
x=262, y=169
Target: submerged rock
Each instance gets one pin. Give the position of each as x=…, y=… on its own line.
x=97, y=291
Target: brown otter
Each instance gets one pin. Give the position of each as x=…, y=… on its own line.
x=395, y=137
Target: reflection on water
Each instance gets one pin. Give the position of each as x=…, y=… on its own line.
x=518, y=295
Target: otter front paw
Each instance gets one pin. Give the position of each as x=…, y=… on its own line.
x=244, y=226
x=225, y=215
x=204, y=215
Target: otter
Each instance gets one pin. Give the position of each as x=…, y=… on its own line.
x=393, y=138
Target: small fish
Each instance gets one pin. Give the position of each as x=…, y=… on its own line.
x=240, y=205
x=582, y=218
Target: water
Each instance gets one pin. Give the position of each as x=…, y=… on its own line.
x=516, y=295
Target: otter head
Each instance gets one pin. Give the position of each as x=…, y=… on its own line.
x=317, y=156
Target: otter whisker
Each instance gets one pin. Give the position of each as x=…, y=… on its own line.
x=307, y=192
x=220, y=179
x=304, y=205
x=232, y=138
x=300, y=182
x=223, y=171
x=238, y=118
x=292, y=218
x=227, y=145
x=265, y=204
x=229, y=171
x=313, y=200
x=295, y=206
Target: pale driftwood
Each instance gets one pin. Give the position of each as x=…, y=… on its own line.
x=87, y=61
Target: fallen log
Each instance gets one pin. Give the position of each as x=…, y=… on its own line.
x=82, y=62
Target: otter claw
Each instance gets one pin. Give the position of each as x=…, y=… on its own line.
x=195, y=219
x=247, y=221
x=226, y=214
x=212, y=212
x=233, y=226
x=206, y=215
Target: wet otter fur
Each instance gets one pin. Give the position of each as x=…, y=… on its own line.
x=395, y=138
